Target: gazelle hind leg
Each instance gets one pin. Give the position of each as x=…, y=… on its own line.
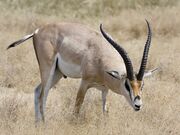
x=52, y=78
x=55, y=78
x=37, y=93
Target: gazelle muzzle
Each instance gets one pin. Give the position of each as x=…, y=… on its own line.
x=137, y=103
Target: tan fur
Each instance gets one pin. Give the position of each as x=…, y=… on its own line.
x=136, y=85
x=76, y=51
x=81, y=46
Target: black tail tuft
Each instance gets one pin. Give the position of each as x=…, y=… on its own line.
x=12, y=45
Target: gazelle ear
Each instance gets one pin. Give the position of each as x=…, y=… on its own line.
x=114, y=74
x=150, y=72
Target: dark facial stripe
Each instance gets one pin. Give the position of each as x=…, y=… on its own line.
x=127, y=86
x=128, y=89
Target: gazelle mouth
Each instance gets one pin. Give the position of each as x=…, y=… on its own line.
x=136, y=109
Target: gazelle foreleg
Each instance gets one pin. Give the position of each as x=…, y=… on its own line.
x=80, y=96
x=104, y=95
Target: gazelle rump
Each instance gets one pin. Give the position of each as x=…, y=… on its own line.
x=76, y=51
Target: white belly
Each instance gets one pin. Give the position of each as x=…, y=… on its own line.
x=69, y=69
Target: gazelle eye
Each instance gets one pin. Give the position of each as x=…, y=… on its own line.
x=114, y=74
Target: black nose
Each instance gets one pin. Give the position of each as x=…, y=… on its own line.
x=137, y=106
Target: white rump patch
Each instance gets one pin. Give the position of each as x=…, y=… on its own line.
x=36, y=31
x=69, y=69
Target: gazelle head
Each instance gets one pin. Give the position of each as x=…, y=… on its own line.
x=133, y=82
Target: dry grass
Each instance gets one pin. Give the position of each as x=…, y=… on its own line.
x=125, y=21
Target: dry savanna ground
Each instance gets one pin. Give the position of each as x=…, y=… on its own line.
x=124, y=20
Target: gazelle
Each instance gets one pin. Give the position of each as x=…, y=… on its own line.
x=76, y=51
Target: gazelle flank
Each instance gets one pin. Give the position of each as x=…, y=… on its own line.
x=76, y=51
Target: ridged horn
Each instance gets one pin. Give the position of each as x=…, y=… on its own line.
x=145, y=54
x=122, y=52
